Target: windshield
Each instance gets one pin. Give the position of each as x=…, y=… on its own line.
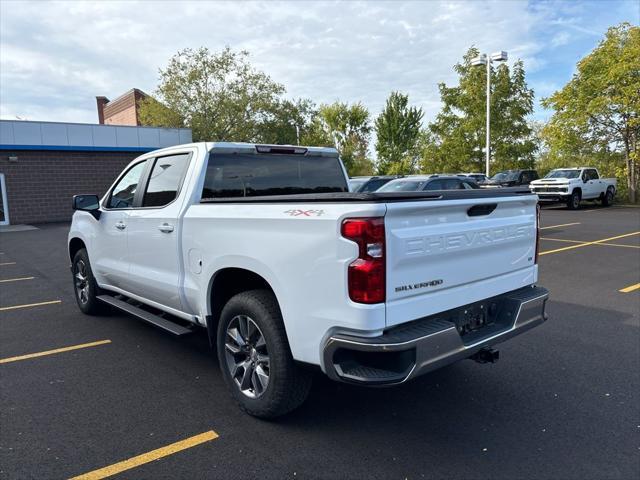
x=563, y=174
x=505, y=176
x=402, y=186
x=355, y=184
x=373, y=185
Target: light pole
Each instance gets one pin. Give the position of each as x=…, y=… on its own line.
x=485, y=59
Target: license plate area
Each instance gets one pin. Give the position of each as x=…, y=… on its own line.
x=475, y=317
x=480, y=320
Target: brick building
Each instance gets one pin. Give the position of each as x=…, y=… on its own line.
x=121, y=111
x=43, y=164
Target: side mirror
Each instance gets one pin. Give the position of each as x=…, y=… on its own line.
x=87, y=203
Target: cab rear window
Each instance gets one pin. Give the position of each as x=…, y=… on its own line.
x=253, y=175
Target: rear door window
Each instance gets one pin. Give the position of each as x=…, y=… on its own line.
x=165, y=180
x=434, y=185
x=252, y=175
x=452, y=184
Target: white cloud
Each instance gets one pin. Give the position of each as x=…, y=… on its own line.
x=560, y=39
x=56, y=57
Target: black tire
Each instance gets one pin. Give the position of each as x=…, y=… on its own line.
x=573, y=203
x=607, y=199
x=287, y=384
x=86, y=290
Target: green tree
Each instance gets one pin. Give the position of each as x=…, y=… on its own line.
x=348, y=129
x=597, y=113
x=455, y=140
x=220, y=96
x=398, y=132
x=288, y=121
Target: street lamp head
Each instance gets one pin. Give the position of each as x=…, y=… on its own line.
x=480, y=60
x=499, y=56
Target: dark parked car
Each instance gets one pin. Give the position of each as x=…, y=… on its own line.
x=513, y=178
x=430, y=182
x=369, y=184
x=479, y=178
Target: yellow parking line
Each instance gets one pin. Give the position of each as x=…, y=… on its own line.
x=51, y=352
x=29, y=305
x=618, y=245
x=7, y=280
x=561, y=240
x=630, y=288
x=7, y=263
x=148, y=457
x=607, y=244
x=571, y=247
x=558, y=226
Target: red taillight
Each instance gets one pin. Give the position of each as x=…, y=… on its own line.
x=537, y=232
x=366, y=277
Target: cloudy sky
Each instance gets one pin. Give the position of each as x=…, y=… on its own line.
x=56, y=57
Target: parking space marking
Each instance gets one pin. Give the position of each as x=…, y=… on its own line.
x=7, y=280
x=630, y=288
x=54, y=351
x=580, y=241
x=7, y=263
x=558, y=226
x=585, y=244
x=29, y=305
x=618, y=245
x=148, y=457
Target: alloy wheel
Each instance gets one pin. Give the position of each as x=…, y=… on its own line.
x=247, y=356
x=81, y=280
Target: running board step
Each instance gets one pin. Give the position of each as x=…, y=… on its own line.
x=160, y=322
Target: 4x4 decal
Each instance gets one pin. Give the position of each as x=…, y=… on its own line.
x=304, y=213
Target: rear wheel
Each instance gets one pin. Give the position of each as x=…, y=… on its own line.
x=85, y=287
x=574, y=201
x=607, y=199
x=255, y=359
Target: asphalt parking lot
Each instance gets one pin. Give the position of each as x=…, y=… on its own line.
x=563, y=402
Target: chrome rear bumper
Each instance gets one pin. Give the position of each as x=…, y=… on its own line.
x=423, y=345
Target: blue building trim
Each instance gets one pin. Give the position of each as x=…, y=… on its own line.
x=74, y=148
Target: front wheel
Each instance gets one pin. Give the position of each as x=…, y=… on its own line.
x=85, y=287
x=573, y=203
x=255, y=358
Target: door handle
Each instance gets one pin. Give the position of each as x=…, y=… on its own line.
x=166, y=228
x=121, y=225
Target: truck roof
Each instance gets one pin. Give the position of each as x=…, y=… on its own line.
x=243, y=147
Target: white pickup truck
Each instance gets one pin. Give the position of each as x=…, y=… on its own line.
x=265, y=248
x=571, y=185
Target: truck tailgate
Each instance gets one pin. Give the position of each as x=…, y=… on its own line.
x=441, y=255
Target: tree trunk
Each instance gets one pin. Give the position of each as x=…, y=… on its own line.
x=631, y=170
x=631, y=177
